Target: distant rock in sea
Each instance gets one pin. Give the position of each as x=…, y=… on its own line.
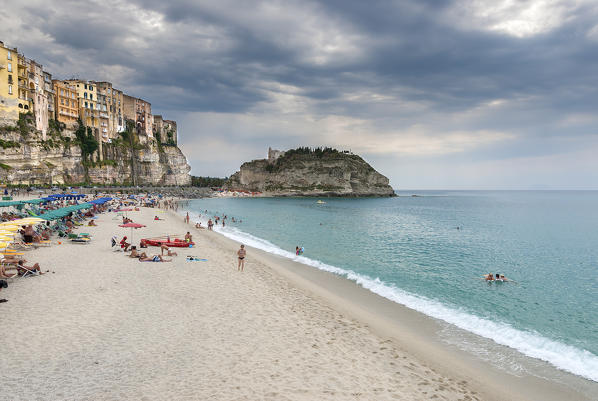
x=310, y=172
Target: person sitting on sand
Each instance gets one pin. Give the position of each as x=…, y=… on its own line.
x=124, y=244
x=3, y=284
x=168, y=251
x=92, y=223
x=188, y=237
x=3, y=273
x=198, y=225
x=28, y=234
x=135, y=254
x=22, y=269
x=154, y=258
x=157, y=218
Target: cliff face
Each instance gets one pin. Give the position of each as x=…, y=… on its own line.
x=26, y=159
x=332, y=174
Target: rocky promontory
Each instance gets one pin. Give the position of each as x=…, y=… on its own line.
x=310, y=172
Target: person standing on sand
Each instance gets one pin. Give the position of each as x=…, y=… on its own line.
x=241, y=254
x=187, y=218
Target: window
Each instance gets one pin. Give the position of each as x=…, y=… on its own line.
x=91, y=96
x=8, y=56
x=108, y=90
x=72, y=104
x=10, y=79
x=9, y=67
x=10, y=89
x=85, y=86
x=61, y=101
x=86, y=105
x=72, y=95
x=85, y=95
x=90, y=87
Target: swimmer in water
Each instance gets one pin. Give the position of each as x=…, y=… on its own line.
x=489, y=277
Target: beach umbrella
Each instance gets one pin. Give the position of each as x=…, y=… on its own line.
x=132, y=226
x=11, y=228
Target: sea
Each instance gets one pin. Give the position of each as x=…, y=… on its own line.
x=429, y=250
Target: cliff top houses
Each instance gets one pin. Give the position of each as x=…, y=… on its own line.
x=25, y=87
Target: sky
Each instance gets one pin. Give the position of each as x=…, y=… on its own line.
x=454, y=94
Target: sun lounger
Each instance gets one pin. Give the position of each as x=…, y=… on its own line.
x=80, y=240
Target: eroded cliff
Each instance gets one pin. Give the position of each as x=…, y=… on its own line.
x=27, y=159
x=304, y=172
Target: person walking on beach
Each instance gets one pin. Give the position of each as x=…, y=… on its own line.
x=187, y=218
x=241, y=254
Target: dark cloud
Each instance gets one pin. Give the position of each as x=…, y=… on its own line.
x=390, y=66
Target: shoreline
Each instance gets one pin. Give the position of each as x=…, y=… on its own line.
x=407, y=326
x=106, y=327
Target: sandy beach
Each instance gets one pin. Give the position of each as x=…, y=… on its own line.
x=102, y=326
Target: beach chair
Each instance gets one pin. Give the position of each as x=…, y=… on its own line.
x=22, y=246
x=78, y=239
x=115, y=245
x=26, y=272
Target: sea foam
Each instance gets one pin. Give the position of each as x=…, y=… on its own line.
x=532, y=344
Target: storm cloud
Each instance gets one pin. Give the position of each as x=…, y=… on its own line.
x=449, y=94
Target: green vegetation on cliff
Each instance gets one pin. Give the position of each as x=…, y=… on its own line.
x=207, y=182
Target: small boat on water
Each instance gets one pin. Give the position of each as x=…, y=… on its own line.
x=320, y=202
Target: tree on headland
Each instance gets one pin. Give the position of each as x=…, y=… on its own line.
x=207, y=181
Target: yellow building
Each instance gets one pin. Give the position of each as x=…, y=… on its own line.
x=25, y=99
x=9, y=94
x=66, y=103
x=89, y=109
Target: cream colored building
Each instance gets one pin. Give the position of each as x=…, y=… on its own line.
x=40, y=99
x=139, y=111
x=112, y=99
x=49, y=91
x=166, y=130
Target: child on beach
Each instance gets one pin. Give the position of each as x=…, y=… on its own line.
x=241, y=253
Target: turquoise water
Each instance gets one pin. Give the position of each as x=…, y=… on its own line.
x=409, y=250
